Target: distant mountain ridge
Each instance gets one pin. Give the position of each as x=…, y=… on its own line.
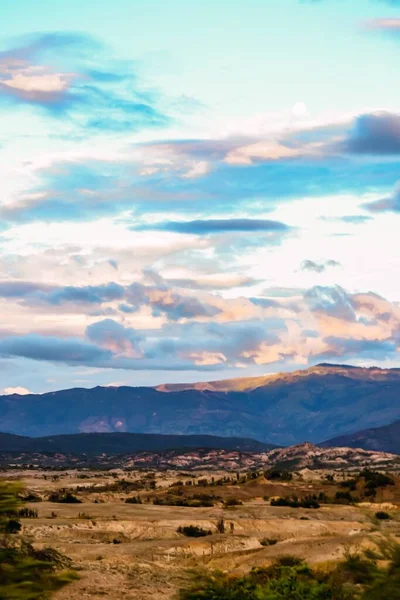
x=124, y=443
x=381, y=439
x=315, y=404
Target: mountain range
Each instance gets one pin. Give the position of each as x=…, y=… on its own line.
x=94, y=444
x=320, y=403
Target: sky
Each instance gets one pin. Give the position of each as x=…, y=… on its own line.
x=197, y=190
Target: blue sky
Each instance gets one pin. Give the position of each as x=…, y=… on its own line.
x=196, y=190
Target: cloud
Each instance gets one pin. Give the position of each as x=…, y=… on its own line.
x=390, y=203
x=385, y=25
x=215, y=226
x=353, y=348
x=332, y=301
x=89, y=294
x=164, y=300
x=115, y=337
x=310, y=265
x=284, y=328
x=82, y=83
x=375, y=133
x=70, y=351
x=21, y=391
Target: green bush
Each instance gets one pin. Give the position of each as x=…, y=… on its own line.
x=289, y=578
x=64, y=497
x=28, y=513
x=193, y=531
x=232, y=502
x=269, y=541
x=294, y=502
x=26, y=573
x=275, y=474
x=134, y=500
x=382, y=515
x=281, y=581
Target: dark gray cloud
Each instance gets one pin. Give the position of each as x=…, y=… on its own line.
x=377, y=133
x=22, y=289
x=90, y=294
x=67, y=350
x=353, y=348
x=310, y=265
x=215, y=226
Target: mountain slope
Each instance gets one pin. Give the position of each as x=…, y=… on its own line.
x=318, y=403
x=124, y=443
x=382, y=439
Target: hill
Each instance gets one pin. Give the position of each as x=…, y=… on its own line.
x=112, y=444
x=381, y=439
x=318, y=403
x=103, y=451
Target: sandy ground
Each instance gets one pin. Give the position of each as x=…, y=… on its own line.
x=127, y=551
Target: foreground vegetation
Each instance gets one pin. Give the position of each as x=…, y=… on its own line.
x=25, y=573
x=289, y=578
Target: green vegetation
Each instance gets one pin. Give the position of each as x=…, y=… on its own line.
x=193, y=531
x=289, y=578
x=27, y=513
x=232, y=502
x=64, y=497
x=26, y=573
x=197, y=500
x=269, y=541
x=134, y=500
x=382, y=515
x=294, y=502
x=275, y=474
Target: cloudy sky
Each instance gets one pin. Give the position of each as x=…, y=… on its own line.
x=197, y=190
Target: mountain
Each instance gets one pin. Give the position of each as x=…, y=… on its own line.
x=315, y=404
x=382, y=439
x=94, y=444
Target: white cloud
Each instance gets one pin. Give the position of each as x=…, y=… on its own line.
x=16, y=390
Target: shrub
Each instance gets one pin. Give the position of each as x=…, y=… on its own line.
x=294, y=502
x=274, y=474
x=64, y=497
x=193, y=531
x=343, y=498
x=373, y=479
x=26, y=573
x=221, y=525
x=232, y=502
x=133, y=500
x=31, y=497
x=195, y=501
x=28, y=513
x=382, y=515
x=12, y=526
x=269, y=541
x=284, y=580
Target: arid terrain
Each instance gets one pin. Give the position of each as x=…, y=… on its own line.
x=134, y=550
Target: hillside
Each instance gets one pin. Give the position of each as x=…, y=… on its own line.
x=316, y=404
x=381, y=439
x=94, y=444
x=103, y=451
